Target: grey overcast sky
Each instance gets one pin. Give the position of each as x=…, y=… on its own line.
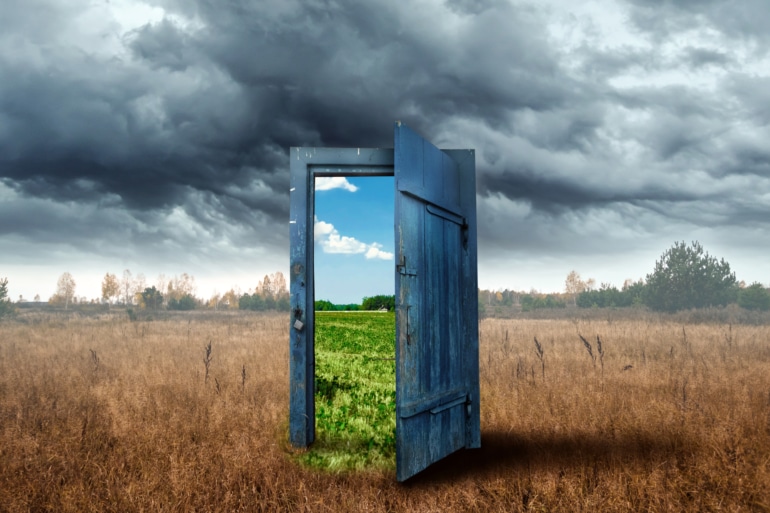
x=153, y=134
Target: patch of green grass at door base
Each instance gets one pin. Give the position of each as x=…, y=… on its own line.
x=355, y=392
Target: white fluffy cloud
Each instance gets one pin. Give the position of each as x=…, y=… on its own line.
x=321, y=229
x=375, y=252
x=327, y=183
x=330, y=240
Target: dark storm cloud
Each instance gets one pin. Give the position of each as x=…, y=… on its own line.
x=188, y=120
x=215, y=108
x=164, y=46
x=747, y=20
x=560, y=195
x=340, y=72
x=699, y=57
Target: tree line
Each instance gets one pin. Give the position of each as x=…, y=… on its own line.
x=379, y=302
x=685, y=277
x=173, y=293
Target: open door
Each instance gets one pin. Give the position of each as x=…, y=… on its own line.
x=437, y=360
x=437, y=371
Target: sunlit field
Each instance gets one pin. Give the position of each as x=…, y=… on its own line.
x=355, y=390
x=104, y=414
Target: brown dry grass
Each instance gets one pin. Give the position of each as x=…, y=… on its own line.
x=107, y=415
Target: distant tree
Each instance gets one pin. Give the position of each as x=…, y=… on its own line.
x=378, y=302
x=180, y=286
x=231, y=298
x=161, y=283
x=126, y=287
x=322, y=305
x=65, y=290
x=754, y=297
x=280, y=292
x=150, y=298
x=5, y=304
x=251, y=302
x=278, y=284
x=608, y=296
x=688, y=277
x=214, y=301
x=260, y=302
x=110, y=287
x=186, y=302
x=283, y=303
x=485, y=297
x=269, y=301
x=539, y=301
x=265, y=288
x=634, y=291
x=574, y=285
x=140, y=283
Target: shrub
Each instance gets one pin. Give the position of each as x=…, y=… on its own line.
x=754, y=297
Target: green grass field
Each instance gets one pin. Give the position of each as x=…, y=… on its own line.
x=355, y=391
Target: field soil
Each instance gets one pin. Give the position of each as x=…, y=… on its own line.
x=102, y=414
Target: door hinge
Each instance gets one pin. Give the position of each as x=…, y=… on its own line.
x=402, y=269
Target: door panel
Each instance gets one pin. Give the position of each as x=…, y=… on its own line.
x=437, y=338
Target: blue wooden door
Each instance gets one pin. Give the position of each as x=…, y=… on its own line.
x=437, y=373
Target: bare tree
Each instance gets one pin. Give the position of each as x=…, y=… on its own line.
x=65, y=289
x=180, y=286
x=265, y=287
x=574, y=285
x=140, y=282
x=278, y=283
x=127, y=286
x=162, y=285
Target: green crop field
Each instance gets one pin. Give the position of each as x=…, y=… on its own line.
x=355, y=391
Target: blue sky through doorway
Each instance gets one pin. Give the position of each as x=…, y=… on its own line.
x=353, y=238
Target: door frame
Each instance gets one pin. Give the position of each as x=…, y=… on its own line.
x=306, y=164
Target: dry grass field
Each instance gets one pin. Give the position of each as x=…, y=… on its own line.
x=103, y=414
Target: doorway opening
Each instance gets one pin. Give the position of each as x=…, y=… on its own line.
x=355, y=326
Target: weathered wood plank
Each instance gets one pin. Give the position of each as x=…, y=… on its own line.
x=436, y=397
